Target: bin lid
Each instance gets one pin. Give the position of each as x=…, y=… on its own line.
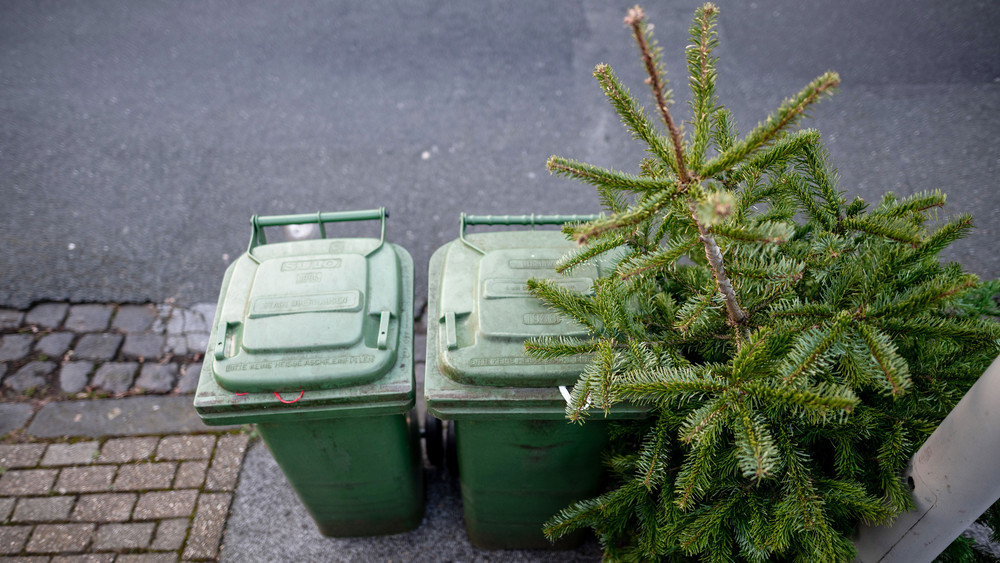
x=485, y=312
x=306, y=315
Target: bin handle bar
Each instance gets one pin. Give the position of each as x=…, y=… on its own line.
x=532, y=219
x=257, y=237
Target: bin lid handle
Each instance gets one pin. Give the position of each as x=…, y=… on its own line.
x=532, y=219
x=257, y=237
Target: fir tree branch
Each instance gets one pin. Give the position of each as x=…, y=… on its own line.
x=604, y=178
x=781, y=151
x=551, y=347
x=708, y=418
x=928, y=294
x=757, y=352
x=734, y=312
x=633, y=116
x=705, y=532
x=635, y=215
x=789, y=112
x=814, y=163
x=975, y=330
x=891, y=364
x=892, y=454
x=692, y=310
x=636, y=20
x=953, y=230
x=702, y=75
x=815, y=403
x=916, y=203
x=767, y=232
x=653, y=458
x=668, y=384
x=570, y=303
x=663, y=258
x=695, y=475
x=800, y=190
x=756, y=452
x=589, y=251
x=809, y=311
x=892, y=228
x=807, y=355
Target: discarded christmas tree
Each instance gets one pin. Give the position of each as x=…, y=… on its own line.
x=794, y=349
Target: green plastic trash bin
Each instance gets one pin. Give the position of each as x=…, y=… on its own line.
x=313, y=343
x=520, y=461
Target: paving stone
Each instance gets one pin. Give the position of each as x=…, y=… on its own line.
x=124, y=536
x=73, y=376
x=6, y=507
x=26, y=559
x=194, y=321
x=124, y=450
x=157, y=377
x=85, y=479
x=12, y=538
x=170, y=534
x=147, y=558
x=108, y=507
x=20, y=482
x=80, y=453
x=185, y=447
x=89, y=318
x=99, y=347
x=15, y=347
x=56, y=538
x=175, y=322
x=134, y=318
x=20, y=455
x=225, y=469
x=116, y=377
x=209, y=522
x=134, y=416
x=144, y=345
x=177, y=345
x=31, y=376
x=145, y=476
x=54, y=345
x=47, y=315
x=197, y=342
x=165, y=504
x=44, y=509
x=10, y=318
x=190, y=474
x=163, y=312
x=13, y=416
x=84, y=558
x=207, y=312
x=188, y=382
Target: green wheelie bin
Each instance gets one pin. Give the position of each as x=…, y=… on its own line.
x=519, y=460
x=313, y=343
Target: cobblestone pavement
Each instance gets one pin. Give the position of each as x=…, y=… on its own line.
x=131, y=499
x=85, y=350
x=65, y=496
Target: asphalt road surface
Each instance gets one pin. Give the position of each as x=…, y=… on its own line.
x=137, y=138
